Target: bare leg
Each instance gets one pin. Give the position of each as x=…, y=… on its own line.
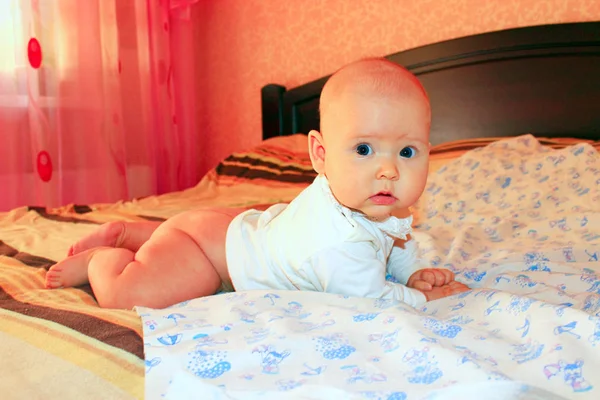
x=129, y=235
x=174, y=265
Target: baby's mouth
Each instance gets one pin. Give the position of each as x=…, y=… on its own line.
x=383, y=198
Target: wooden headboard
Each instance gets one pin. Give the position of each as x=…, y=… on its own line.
x=543, y=80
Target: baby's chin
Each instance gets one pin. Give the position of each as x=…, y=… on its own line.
x=378, y=213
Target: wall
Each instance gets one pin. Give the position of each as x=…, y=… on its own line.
x=245, y=44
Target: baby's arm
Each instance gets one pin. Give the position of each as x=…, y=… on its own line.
x=120, y=234
x=403, y=261
x=435, y=283
x=353, y=269
x=405, y=265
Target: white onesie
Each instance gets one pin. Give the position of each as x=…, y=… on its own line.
x=316, y=244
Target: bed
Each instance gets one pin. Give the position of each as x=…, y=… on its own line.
x=511, y=205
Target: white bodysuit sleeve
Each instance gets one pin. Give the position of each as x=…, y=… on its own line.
x=403, y=262
x=353, y=269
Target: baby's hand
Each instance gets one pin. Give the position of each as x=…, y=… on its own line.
x=427, y=278
x=451, y=288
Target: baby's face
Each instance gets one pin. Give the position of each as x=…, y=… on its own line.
x=376, y=151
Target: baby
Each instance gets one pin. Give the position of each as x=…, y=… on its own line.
x=338, y=235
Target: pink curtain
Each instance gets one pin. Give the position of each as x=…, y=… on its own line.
x=96, y=100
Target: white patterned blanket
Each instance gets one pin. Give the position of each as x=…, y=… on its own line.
x=517, y=222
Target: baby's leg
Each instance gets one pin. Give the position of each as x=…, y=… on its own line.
x=73, y=271
x=129, y=235
x=183, y=259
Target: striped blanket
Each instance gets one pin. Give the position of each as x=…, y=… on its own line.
x=59, y=343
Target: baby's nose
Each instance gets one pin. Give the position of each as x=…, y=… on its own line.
x=388, y=170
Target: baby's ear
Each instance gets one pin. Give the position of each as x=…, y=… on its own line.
x=316, y=150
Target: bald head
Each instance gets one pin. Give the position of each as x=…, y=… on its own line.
x=374, y=76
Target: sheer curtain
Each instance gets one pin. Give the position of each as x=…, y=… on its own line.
x=96, y=100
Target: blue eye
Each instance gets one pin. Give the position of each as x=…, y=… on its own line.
x=363, y=149
x=408, y=152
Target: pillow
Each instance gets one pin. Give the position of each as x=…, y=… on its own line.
x=281, y=160
x=284, y=160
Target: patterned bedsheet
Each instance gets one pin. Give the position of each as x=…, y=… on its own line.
x=518, y=222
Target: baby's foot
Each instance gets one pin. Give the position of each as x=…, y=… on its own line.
x=72, y=271
x=107, y=235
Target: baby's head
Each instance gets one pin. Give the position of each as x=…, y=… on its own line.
x=374, y=141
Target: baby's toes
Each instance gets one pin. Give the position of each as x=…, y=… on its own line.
x=86, y=243
x=76, y=249
x=106, y=235
x=53, y=279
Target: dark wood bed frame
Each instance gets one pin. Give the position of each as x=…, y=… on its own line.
x=543, y=80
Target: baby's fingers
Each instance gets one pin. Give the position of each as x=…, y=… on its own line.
x=440, y=277
x=429, y=276
x=448, y=275
x=457, y=287
x=434, y=276
x=422, y=285
x=445, y=291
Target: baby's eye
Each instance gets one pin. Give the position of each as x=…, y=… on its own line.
x=363, y=149
x=408, y=152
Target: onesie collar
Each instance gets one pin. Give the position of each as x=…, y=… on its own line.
x=393, y=226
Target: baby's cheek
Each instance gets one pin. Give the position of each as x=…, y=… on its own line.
x=420, y=180
x=349, y=196
x=342, y=191
x=410, y=197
